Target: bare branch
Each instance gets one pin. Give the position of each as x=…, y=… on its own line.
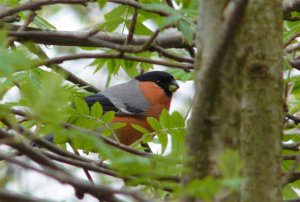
x=172, y=56
x=186, y=67
x=35, y=5
x=172, y=39
x=6, y=195
x=292, y=175
x=23, y=27
x=293, y=118
x=291, y=146
x=291, y=39
x=289, y=157
x=132, y=26
x=38, y=4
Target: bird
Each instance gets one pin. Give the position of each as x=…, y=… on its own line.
x=144, y=96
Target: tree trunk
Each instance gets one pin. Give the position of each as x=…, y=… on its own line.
x=235, y=70
x=262, y=104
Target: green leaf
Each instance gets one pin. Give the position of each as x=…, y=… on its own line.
x=90, y=143
x=113, y=66
x=117, y=125
x=43, y=24
x=108, y=117
x=230, y=164
x=102, y=3
x=140, y=28
x=13, y=61
x=106, y=132
x=96, y=110
x=99, y=63
x=13, y=2
x=205, y=188
x=116, y=12
x=169, y=21
x=165, y=119
x=159, y=7
x=153, y=123
x=48, y=100
x=289, y=193
x=140, y=128
x=163, y=140
x=81, y=106
x=186, y=30
x=178, y=119
x=132, y=164
x=111, y=25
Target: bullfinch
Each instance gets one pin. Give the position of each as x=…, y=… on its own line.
x=144, y=96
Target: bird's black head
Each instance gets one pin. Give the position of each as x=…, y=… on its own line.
x=162, y=79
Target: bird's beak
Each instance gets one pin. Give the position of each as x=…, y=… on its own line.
x=173, y=86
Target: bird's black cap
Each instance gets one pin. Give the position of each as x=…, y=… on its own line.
x=163, y=79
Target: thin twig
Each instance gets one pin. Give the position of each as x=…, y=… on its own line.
x=88, y=175
x=132, y=26
x=290, y=175
x=173, y=56
x=292, y=38
x=23, y=27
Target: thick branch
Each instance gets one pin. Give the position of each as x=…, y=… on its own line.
x=6, y=195
x=172, y=39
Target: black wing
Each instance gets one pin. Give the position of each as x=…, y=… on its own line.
x=104, y=101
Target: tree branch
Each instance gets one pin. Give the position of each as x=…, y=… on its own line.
x=172, y=39
x=291, y=146
x=51, y=147
x=6, y=195
x=35, y=5
x=38, y=4
x=293, y=118
x=99, y=191
x=57, y=60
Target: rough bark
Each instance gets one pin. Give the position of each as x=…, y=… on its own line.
x=261, y=127
x=216, y=113
x=238, y=102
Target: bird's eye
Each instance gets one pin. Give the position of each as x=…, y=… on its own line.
x=157, y=81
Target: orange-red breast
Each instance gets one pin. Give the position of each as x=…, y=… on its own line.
x=144, y=96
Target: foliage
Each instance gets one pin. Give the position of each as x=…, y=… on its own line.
x=52, y=102
x=49, y=103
